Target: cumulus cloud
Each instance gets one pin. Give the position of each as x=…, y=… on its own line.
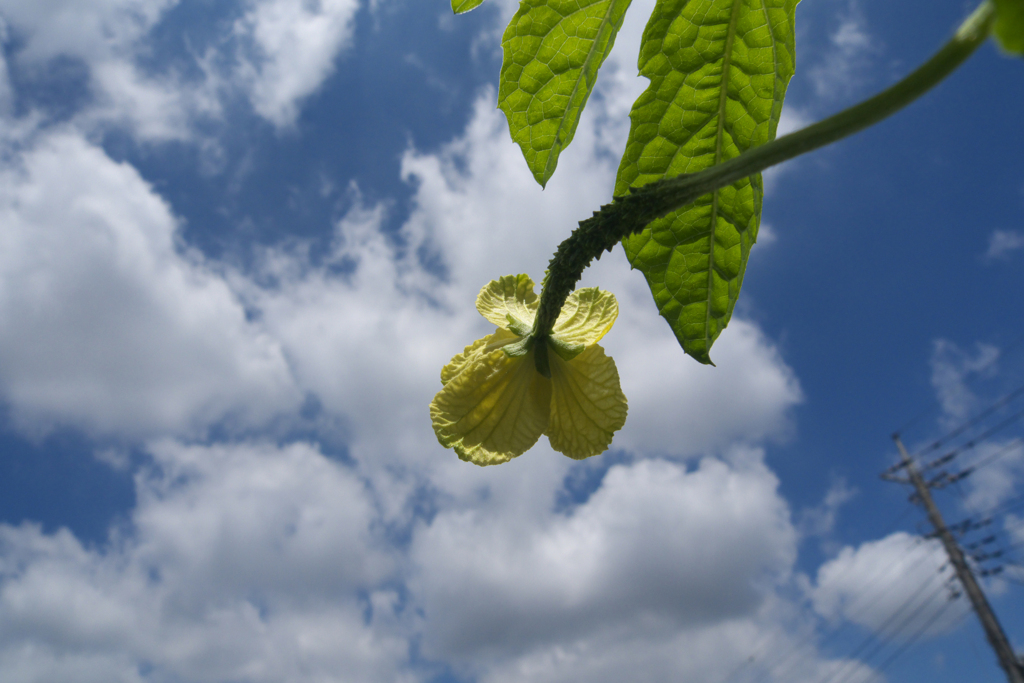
x=106, y=38
x=696, y=547
x=248, y=562
x=155, y=108
x=110, y=325
x=88, y=29
x=276, y=53
x=897, y=586
x=291, y=48
x=263, y=563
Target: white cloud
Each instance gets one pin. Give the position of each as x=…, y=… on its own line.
x=254, y=562
x=240, y=563
x=153, y=108
x=951, y=366
x=234, y=521
x=475, y=198
x=107, y=36
x=821, y=519
x=88, y=29
x=654, y=546
x=277, y=53
x=1003, y=242
x=292, y=48
x=842, y=70
x=895, y=586
x=1000, y=468
x=709, y=653
x=680, y=408
x=111, y=326
x=663, y=572
x=994, y=464
x=370, y=343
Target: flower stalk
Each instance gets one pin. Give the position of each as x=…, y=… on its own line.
x=631, y=213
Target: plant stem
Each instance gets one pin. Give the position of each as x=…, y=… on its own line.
x=631, y=213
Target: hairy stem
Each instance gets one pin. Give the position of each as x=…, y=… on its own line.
x=631, y=213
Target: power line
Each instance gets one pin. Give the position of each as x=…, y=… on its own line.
x=881, y=644
x=968, y=445
x=909, y=643
x=960, y=429
x=775, y=670
x=1013, y=546
x=1011, y=446
x=781, y=660
x=878, y=596
x=782, y=663
x=1007, y=506
x=993, y=630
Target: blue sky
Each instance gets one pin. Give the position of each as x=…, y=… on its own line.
x=238, y=240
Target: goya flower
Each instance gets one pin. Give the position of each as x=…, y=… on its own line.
x=495, y=403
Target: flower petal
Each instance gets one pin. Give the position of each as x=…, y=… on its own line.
x=511, y=294
x=494, y=409
x=587, y=316
x=479, y=347
x=587, y=403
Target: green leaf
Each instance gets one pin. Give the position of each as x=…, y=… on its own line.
x=1008, y=28
x=552, y=52
x=718, y=71
x=462, y=6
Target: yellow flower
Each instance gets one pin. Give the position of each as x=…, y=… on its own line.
x=495, y=404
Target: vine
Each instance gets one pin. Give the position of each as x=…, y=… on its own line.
x=718, y=71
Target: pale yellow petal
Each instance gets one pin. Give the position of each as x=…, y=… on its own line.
x=511, y=294
x=479, y=347
x=587, y=403
x=494, y=409
x=587, y=316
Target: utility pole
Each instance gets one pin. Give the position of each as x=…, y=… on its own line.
x=996, y=637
